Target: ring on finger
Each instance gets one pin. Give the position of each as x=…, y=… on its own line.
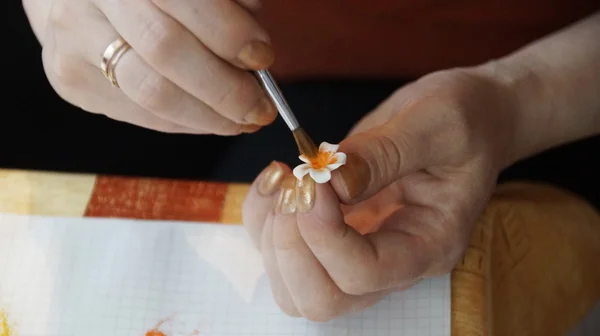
x=111, y=57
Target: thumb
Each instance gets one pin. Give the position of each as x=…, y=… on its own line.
x=377, y=158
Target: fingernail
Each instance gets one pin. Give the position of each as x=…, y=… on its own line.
x=257, y=55
x=355, y=176
x=287, y=198
x=271, y=179
x=263, y=113
x=250, y=128
x=305, y=189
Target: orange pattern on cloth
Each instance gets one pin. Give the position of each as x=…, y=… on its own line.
x=160, y=199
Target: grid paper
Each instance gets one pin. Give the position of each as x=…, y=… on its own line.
x=98, y=276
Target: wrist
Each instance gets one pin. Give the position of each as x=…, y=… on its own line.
x=540, y=119
x=519, y=86
x=554, y=86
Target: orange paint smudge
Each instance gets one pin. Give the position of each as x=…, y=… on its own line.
x=5, y=329
x=154, y=331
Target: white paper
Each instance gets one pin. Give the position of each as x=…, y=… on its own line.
x=86, y=277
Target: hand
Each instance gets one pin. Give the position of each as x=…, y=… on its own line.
x=420, y=170
x=186, y=71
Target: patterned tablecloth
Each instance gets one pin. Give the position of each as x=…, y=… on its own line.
x=533, y=250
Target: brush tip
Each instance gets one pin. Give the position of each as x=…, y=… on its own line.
x=305, y=144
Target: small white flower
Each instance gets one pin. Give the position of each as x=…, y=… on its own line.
x=321, y=166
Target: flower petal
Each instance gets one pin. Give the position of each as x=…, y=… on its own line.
x=340, y=160
x=301, y=170
x=334, y=166
x=340, y=157
x=327, y=147
x=304, y=158
x=320, y=175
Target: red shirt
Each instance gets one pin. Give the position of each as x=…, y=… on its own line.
x=405, y=38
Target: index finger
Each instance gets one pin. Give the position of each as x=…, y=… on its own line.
x=361, y=264
x=225, y=28
x=177, y=55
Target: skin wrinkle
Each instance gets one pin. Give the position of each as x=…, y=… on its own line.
x=372, y=256
x=153, y=94
x=160, y=41
x=225, y=96
x=381, y=151
x=395, y=148
x=419, y=234
x=421, y=244
x=448, y=234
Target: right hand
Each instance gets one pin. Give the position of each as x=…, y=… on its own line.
x=186, y=71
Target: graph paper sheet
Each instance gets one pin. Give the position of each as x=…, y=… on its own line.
x=76, y=276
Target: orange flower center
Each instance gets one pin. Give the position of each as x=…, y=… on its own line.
x=322, y=160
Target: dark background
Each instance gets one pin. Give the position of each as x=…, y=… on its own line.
x=38, y=130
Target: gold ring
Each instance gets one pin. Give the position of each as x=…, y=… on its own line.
x=111, y=57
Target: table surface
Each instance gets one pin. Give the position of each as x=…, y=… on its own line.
x=502, y=268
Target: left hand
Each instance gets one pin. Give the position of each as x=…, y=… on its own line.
x=420, y=170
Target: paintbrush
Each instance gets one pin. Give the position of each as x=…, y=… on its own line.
x=306, y=145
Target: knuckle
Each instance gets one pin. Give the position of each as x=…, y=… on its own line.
x=155, y=93
x=319, y=314
x=65, y=76
x=321, y=229
x=224, y=126
x=358, y=284
x=283, y=240
x=61, y=13
x=286, y=306
x=226, y=96
x=351, y=287
x=240, y=93
x=160, y=41
x=387, y=153
x=323, y=306
x=235, y=31
x=447, y=243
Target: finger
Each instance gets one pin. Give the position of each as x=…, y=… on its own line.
x=225, y=28
x=361, y=264
x=260, y=200
x=313, y=292
x=251, y=5
x=255, y=215
x=80, y=84
x=180, y=57
x=150, y=90
x=279, y=289
x=369, y=215
x=408, y=142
